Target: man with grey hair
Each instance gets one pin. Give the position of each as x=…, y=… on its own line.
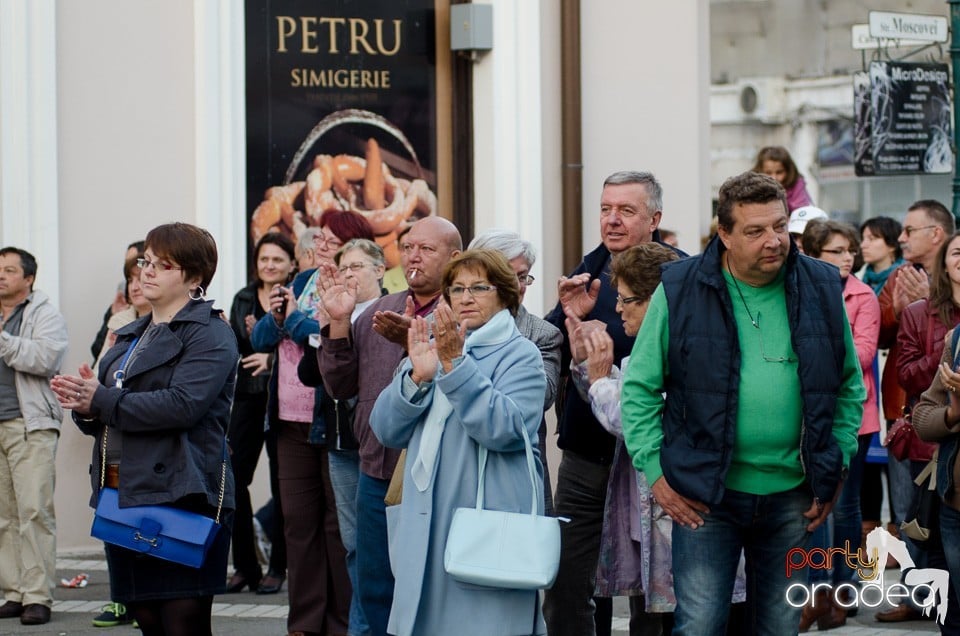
x=631, y=205
x=521, y=255
x=304, y=252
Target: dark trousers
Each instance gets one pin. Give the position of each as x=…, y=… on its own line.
x=568, y=606
x=318, y=585
x=246, y=441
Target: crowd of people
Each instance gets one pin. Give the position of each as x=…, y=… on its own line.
x=714, y=413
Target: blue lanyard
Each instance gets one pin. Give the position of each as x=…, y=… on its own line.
x=120, y=373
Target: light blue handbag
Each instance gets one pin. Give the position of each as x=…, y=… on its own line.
x=493, y=548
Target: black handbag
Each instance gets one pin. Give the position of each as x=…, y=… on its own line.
x=923, y=520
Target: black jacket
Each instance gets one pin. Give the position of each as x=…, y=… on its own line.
x=172, y=412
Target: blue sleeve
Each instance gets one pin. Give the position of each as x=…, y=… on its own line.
x=266, y=334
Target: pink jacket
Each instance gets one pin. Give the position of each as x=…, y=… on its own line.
x=797, y=195
x=863, y=312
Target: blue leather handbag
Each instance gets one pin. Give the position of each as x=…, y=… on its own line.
x=161, y=531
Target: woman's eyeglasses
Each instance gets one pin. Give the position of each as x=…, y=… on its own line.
x=353, y=267
x=475, y=290
x=160, y=266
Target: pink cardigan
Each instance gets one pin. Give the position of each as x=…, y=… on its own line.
x=863, y=312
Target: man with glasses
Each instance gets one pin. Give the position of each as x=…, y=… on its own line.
x=521, y=255
x=33, y=341
x=359, y=361
x=631, y=205
x=751, y=345
x=927, y=225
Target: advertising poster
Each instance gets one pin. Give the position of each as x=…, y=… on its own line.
x=341, y=114
x=911, y=129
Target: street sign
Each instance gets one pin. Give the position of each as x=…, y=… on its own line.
x=861, y=38
x=927, y=28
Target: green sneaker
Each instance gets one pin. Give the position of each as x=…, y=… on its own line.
x=113, y=614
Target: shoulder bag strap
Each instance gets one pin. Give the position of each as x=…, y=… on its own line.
x=531, y=469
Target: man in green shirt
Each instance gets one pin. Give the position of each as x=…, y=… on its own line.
x=751, y=345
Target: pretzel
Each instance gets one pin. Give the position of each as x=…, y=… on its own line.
x=345, y=182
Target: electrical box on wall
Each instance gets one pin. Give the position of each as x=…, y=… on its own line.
x=471, y=27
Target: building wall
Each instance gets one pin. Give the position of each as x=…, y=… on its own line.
x=147, y=104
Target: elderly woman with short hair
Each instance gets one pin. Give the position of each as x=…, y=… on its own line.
x=521, y=255
x=475, y=383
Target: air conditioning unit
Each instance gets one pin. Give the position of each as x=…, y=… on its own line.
x=762, y=99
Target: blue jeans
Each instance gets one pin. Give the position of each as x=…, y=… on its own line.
x=344, y=473
x=847, y=526
x=705, y=562
x=901, y=488
x=374, y=576
x=950, y=535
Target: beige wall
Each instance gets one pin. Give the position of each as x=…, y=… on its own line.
x=646, y=107
x=126, y=144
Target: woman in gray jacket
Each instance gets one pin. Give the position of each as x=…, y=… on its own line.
x=162, y=405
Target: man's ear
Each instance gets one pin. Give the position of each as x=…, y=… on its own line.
x=724, y=236
x=655, y=220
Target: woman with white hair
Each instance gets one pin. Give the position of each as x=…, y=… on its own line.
x=521, y=255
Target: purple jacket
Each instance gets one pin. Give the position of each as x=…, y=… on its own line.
x=363, y=365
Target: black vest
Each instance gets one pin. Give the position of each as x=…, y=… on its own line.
x=700, y=412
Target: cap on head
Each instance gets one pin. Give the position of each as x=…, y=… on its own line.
x=800, y=217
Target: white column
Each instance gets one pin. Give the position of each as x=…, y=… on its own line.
x=508, y=176
x=29, y=209
x=221, y=139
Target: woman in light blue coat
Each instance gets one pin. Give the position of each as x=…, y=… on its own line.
x=477, y=381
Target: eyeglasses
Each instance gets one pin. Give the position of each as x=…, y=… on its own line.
x=353, y=267
x=628, y=300
x=525, y=279
x=159, y=266
x=841, y=251
x=475, y=290
x=331, y=243
x=910, y=230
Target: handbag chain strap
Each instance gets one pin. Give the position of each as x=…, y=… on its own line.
x=531, y=469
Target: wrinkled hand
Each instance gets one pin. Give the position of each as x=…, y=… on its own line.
x=911, y=285
x=394, y=326
x=422, y=352
x=256, y=363
x=578, y=331
x=75, y=392
x=682, y=510
x=448, y=335
x=338, y=298
x=819, y=511
x=578, y=295
x=951, y=382
x=599, y=347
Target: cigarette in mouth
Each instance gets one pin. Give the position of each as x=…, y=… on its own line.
x=413, y=274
